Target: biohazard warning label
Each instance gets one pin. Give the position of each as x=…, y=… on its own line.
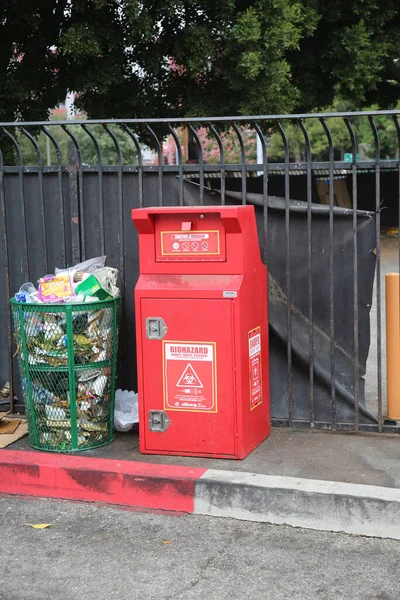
x=189, y=376
x=255, y=367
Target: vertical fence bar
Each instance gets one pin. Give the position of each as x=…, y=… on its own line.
x=120, y=235
x=120, y=200
x=331, y=275
x=310, y=282
x=180, y=164
x=134, y=139
x=3, y=215
x=160, y=164
x=201, y=163
x=265, y=191
x=76, y=188
x=243, y=160
x=378, y=265
x=24, y=258
x=355, y=276
x=221, y=160
x=100, y=187
x=24, y=261
x=41, y=191
x=60, y=190
x=287, y=273
x=73, y=204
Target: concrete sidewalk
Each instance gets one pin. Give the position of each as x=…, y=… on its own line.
x=351, y=458
x=315, y=480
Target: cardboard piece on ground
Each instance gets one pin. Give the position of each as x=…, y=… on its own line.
x=9, y=425
x=3, y=414
x=10, y=438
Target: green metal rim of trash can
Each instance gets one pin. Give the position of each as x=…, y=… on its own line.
x=60, y=353
x=53, y=307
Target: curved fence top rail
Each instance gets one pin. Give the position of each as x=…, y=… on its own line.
x=239, y=118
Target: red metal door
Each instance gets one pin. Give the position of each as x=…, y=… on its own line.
x=189, y=374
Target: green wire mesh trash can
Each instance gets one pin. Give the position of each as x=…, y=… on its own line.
x=67, y=359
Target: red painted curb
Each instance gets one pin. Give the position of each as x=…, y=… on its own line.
x=123, y=482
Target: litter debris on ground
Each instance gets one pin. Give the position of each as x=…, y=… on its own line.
x=11, y=429
x=126, y=410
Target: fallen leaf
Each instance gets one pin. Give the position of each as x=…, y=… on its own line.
x=39, y=525
x=166, y=541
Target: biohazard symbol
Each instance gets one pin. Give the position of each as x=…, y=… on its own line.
x=255, y=366
x=189, y=378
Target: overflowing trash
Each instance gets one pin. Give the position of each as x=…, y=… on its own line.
x=89, y=281
x=67, y=355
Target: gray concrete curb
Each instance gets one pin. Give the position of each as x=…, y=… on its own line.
x=310, y=503
x=322, y=505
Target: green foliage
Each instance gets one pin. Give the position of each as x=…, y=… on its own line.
x=341, y=142
x=318, y=141
x=160, y=58
x=352, y=54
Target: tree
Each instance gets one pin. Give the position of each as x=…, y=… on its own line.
x=160, y=58
x=353, y=54
x=32, y=68
x=221, y=57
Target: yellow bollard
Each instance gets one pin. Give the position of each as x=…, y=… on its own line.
x=393, y=346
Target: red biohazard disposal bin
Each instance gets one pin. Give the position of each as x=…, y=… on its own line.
x=202, y=332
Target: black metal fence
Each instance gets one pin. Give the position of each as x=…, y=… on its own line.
x=319, y=184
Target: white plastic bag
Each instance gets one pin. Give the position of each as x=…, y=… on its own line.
x=89, y=266
x=126, y=410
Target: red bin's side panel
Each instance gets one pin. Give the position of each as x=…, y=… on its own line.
x=253, y=362
x=190, y=375
x=256, y=402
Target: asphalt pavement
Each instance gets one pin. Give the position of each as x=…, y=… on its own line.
x=93, y=552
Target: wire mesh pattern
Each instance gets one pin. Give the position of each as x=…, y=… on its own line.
x=67, y=360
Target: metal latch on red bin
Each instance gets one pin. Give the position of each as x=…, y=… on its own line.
x=158, y=420
x=156, y=328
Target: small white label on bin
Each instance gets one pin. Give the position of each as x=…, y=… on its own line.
x=228, y=294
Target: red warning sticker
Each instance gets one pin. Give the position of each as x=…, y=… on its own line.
x=189, y=376
x=255, y=367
